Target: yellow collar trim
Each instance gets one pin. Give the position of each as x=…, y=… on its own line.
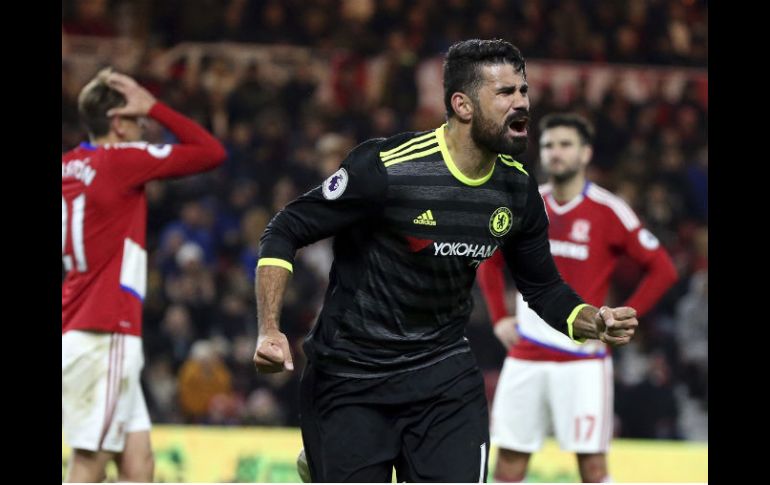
x=451, y=164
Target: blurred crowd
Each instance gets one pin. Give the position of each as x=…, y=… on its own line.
x=284, y=137
x=629, y=31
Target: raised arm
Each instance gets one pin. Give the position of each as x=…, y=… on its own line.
x=197, y=150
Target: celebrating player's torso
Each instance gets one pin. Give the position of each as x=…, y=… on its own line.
x=410, y=232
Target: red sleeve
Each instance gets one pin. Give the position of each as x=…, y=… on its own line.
x=197, y=151
x=492, y=284
x=659, y=271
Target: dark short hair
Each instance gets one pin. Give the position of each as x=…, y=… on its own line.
x=463, y=60
x=94, y=101
x=571, y=120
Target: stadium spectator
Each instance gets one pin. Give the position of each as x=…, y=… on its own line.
x=202, y=377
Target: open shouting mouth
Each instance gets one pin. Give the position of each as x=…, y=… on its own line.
x=518, y=126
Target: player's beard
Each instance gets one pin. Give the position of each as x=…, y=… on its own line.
x=486, y=134
x=567, y=175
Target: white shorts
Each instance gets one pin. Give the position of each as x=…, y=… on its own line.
x=574, y=399
x=101, y=393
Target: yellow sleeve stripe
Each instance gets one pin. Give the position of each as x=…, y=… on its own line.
x=393, y=151
x=412, y=156
x=410, y=149
x=506, y=159
x=275, y=262
x=571, y=321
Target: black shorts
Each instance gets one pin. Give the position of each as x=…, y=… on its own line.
x=431, y=424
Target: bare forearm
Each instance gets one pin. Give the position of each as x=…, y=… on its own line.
x=270, y=287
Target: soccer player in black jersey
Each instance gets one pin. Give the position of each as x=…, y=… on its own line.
x=391, y=380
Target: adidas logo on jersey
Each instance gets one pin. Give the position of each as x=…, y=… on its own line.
x=426, y=219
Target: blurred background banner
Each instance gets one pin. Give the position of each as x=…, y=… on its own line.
x=250, y=454
x=291, y=86
x=564, y=80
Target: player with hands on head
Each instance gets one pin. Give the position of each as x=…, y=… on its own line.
x=104, y=256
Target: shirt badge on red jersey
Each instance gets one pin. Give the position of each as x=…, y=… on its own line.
x=580, y=230
x=159, y=151
x=648, y=240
